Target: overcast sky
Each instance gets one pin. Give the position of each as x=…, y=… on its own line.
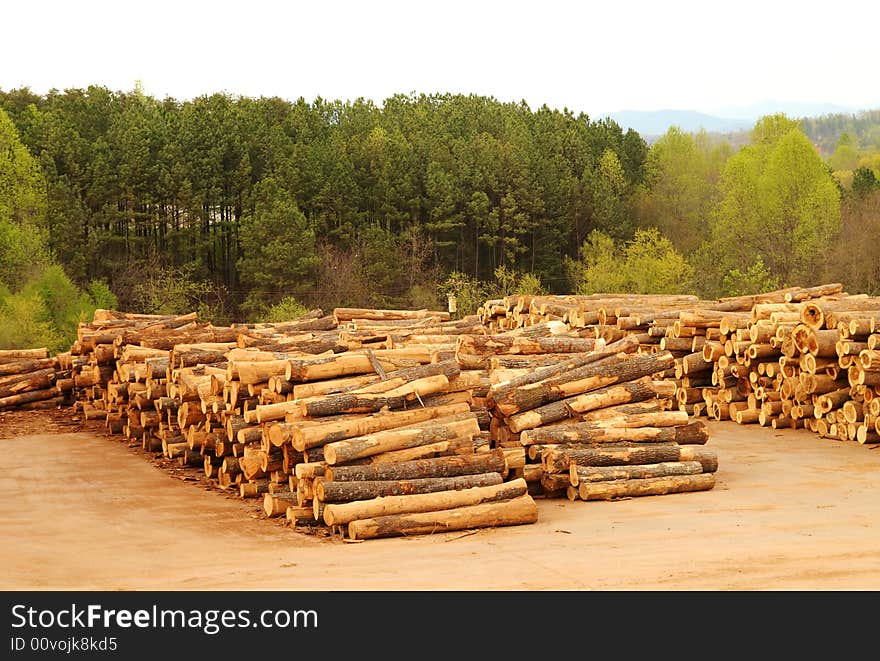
x=591, y=57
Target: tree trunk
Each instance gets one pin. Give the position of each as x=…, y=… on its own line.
x=630, y=392
x=520, y=510
x=559, y=460
x=369, y=403
x=692, y=434
x=345, y=492
x=486, y=462
x=618, y=369
x=340, y=452
x=304, y=437
x=579, y=474
x=654, y=486
x=343, y=513
x=474, y=351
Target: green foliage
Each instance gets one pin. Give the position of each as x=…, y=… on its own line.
x=509, y=282
x=101, y=295
x=23, y=252
x=22, y=188
x=778, y=202
x=278, y=248
x=170, y=290
x=756, y=278
x=287, y=309
x=64, y=304
x=681, y=186
x=469, y=293
x=25, y=323
x=648, y=264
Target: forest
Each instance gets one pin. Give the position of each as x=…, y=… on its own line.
x=261, y=208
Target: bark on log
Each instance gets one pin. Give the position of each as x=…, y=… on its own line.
x=474, y=351
x=369, y=403
x=501, y=392
x=456, y=446
x=397, y=439
x=557, y=460
x=654, y=486
x=13, y=401
x=578, y=474
x=486, y=462
x=17, y=355
x=694, y=433
x=618, y=369
x=516, y=511
x=25, y=366
x=630, y=392
x=346, y=492
x=343, y=513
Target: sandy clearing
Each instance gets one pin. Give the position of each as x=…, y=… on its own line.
x=790, y=511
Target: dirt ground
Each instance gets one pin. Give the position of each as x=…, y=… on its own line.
x=790, y=511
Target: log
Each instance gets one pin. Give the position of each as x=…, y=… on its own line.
x=474, y=351
x=501, y=392
x=17, y=355
x=13, y=401
x=343, y=513
x=304, y=437
x=276, y=504
x=25, y=366
x=455, y=446
x=630, y=392
x=557, y=460
x=486, y=462
x=608, y=371
x=345, y=364
x=516, y=511
x=578, y=474
x=653, y=486
x=341, y=315
x=20, y=383
x=345, y=492
x=370, y=403
x=397, y=439
x=694, y=433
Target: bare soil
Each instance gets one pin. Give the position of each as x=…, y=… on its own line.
x=790, y=511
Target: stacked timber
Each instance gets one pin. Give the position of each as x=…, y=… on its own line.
x=32, y=379
x=805, y=361
x=283, y=412
x=613, y=396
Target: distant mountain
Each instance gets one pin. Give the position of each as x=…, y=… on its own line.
x=793, y=109
x=652, y=123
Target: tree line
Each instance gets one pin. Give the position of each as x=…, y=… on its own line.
x=258, y=208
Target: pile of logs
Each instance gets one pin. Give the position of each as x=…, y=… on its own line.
x=31, y=379
x=362, y=413
x=613, y=401
x=801, y=362
x=375, y=423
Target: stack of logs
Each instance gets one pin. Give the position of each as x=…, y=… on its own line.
x=393, y=422
x=810, y=363
x=607, y=407
x=363, y=413
x=31, y=379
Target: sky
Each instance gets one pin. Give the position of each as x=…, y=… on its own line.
x=593, y=57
